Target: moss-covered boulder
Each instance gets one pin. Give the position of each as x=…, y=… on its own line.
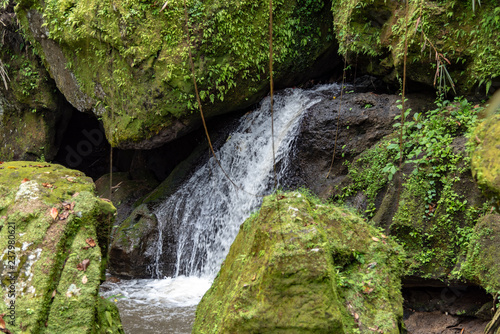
x=486, y=156
x=300, y=266
x=54, y=235
x=482, y=264
x=128, y=61
x=29, y=100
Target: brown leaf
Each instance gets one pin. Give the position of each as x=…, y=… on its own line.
x=25, y=180
x=254, y=277
x=2, y=322
x=84, y=279
x=75, y=194
x=83, y=265
x=47, y=185
x=53, y=213
x=72, y=206
x=54, y=293
x=375, y=239
x=90, y=242
x=66, y=205
x=64, y=215
x=70, y=179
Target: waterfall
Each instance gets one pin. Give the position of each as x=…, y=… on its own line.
x=207, y=210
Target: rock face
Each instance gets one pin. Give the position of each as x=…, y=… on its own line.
x=54, y=235
x=311, y=268
x=129, y=64
x=486, y=156
x=371, y=33
x=365, y=118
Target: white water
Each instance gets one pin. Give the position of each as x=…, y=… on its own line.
x=207, y=211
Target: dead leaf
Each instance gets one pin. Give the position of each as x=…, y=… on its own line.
x=84, y=279
x=1, y=162
x=64, y=215
x=75, y=194
x=11, y=167
x=70, y=179
x=83, y=265
x=66, y=205
x=254, y=277
x=54, y=293
x=47, y=185
x=25, y=180
x=3, y=327
x=90, y=242
x=375, y=239
x=54, y=213
x=72, y=206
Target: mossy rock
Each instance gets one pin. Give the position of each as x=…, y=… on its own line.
x=372, y=34
x=128, y=62
x=485, y=162
x=482, y=264
x=305, y=268
x=54, y=245
x=29, y=100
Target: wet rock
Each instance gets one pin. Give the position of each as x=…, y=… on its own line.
x=365, y=118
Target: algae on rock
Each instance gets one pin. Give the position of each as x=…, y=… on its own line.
x=54, y=250
x=301, y=266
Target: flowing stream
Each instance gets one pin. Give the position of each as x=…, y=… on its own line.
x=207, y=211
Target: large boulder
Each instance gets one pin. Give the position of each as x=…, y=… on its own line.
x=54, y=236
x=301, y=266
x=128, y=62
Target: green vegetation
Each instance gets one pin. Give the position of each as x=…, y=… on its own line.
x=438, y=207
x=448, y=41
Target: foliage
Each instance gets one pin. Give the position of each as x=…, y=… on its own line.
x=130, y=57
x=446, y=38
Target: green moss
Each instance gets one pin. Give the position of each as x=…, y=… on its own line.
x=486, y=155
x=48, y=250
x=379, y=29
x=309, y=268
x=482, y=264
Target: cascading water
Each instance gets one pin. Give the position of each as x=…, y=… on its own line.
x=207, y=210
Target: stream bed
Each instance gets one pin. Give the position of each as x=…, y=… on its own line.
x=157, y=306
